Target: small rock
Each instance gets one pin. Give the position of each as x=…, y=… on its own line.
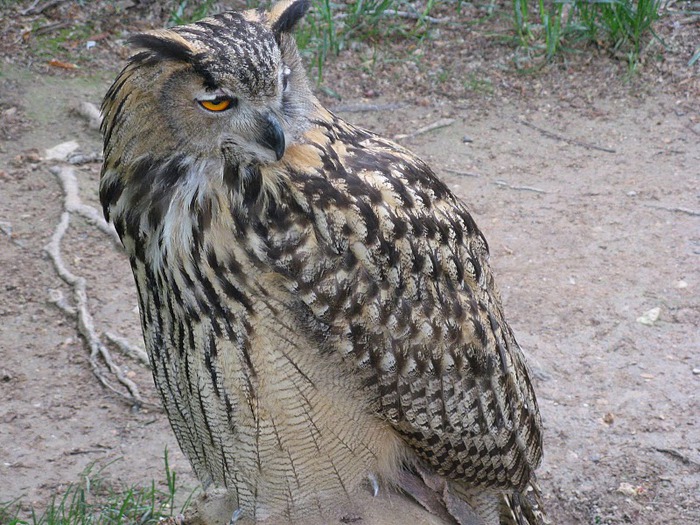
x=696, y=371
x=632, y=193
x=650, y=317
x=609, y=418
x=467, y=140
x=696, y=128
x=627, y=489
x=681, y=284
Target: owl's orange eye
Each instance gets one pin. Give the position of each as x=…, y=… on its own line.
x=217, y=104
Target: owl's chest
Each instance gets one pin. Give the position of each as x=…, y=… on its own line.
x=255, y=403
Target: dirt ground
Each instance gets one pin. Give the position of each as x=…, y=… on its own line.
x=585, y=183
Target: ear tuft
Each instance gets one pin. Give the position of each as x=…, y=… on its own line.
x=284, y=15
x=161, y=46
x=164, y=45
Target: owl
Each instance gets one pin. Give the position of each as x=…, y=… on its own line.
x=317, y=305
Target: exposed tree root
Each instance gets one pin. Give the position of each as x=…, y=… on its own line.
x=100, y=356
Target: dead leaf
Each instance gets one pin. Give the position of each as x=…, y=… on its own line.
x=63, y=65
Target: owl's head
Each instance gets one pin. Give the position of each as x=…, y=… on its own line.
x=230, y=86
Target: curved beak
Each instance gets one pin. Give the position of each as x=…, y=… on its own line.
x=272, y=136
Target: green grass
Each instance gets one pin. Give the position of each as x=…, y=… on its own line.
x=61, y=43
x=694, y=58
x=185, y=12
x=91, y=501
x=332, y=27
x=623, y=27
x=476, y=84
x=542, y=29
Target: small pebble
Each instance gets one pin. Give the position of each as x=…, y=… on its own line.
x=627, y=489
x=649, y=317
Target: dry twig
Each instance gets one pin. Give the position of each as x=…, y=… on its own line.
x=90, y=112
x=504, y=184
x=680, y=457
x=86, y=327
x=129, y=349
x=417, y=16
x=73, y=204
x=460, y=173
x=442, y=123
x=34, y=10
x=554, y=136
x=359, y=108
x=676, y=209
x=84, y=158
x=404, y=14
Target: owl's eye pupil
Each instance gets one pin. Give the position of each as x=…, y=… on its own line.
x=218, y=104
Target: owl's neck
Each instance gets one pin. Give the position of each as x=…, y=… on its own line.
x=170, y=206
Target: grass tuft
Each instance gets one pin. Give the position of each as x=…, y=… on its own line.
x=543, y=29
x=184, y=13
x=92, y=501
x=621, y=26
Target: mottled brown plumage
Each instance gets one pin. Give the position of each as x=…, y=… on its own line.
x=317, y=304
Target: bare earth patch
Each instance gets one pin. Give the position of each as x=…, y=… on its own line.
x=586, y=186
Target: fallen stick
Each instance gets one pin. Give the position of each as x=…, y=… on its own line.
x=460, y=173
x=34, y=10
x=442, y=123
x=676, y=209
x=504, y=184
x=417, y=16
x=674, y=453
x=404, y=14
x=359, y=108
x=73, y=204
x=554, y=136
x=89, y=112
x=84, y=158
x=129, y=349
x=86, y=326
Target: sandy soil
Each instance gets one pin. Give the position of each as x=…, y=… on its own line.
x=589, y=197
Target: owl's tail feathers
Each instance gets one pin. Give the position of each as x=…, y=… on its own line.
x=456, y=504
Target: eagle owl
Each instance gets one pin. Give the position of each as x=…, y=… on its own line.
x=317, y=305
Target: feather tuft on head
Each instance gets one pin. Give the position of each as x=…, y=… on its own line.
x=286, y=14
